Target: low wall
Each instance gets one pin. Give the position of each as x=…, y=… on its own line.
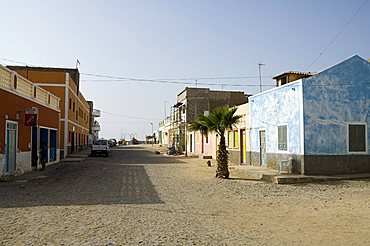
x=336, y=164
x=273, y=160
x=234, y=157
x=24, y=163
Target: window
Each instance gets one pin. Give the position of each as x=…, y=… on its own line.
x=357, y=138
x=229, y=138
x=236, y=140
x=283, y=81
x=282, y=138
x=207, y=138
x=73, y=106
x=70, y=103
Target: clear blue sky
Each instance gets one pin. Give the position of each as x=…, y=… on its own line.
x=177, y=39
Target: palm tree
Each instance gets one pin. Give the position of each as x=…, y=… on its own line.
x=218, y=121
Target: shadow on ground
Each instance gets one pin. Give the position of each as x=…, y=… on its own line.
x=117, y=179
x=140, y=155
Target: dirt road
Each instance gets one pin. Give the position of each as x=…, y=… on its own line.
x=135, y=197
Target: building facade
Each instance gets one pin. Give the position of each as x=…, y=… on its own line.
x=75, y=111
x=237, y=139
x=321, y=121
x=29, y=125
x=192, y=102
x=94, y=128
x=164, y=132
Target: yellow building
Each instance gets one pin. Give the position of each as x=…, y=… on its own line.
x=75, y=111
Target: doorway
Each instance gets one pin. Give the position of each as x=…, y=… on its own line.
x=262, y=137
x=72, y=142
x=11, y=148
x=44, y=145
x=53, y=145
x=202, y=143
x=34, y=156
x=191, y=142
x=243, y=147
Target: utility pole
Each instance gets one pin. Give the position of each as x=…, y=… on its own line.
x=152, y=133
x=259, y=70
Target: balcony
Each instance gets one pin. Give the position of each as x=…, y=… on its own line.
x=96, y=113
x=11, y=81
x=95, y=127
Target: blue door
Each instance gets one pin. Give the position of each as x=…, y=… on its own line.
x=34, y=155
x=11, y=148
x=53, y=145
x=44, y=145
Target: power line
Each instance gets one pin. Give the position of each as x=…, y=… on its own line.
x=4, y=59
x=126, y=116
x=337, y=35
x=121, y=123
x=28, y=64
x=169, y=79
x=181, y=83
x=126, y=79
x=217, y=78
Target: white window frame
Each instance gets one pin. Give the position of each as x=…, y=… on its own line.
x=287, y=138
x=366, y=138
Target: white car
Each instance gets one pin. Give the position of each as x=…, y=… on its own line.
x=100, y=147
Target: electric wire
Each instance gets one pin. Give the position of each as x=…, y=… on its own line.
x=338, y=33
x=127, y=116
x=169, y=81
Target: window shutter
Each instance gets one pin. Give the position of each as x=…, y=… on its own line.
x=282, y=138
x=357, y=138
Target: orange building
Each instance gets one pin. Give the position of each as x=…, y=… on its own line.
x=75, y=111
x=29, y=125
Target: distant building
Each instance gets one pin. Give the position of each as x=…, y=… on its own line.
x=94, y=128
x=75, y=111
x=164, y=131
x=29, y=125
x=192, y=102
x=321, y=121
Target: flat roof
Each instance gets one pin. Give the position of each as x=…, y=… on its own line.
x=294, y=72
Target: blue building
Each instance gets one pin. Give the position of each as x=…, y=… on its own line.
x=321, y=121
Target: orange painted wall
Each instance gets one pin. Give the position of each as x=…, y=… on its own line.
x=11, y=105
x=58, y=77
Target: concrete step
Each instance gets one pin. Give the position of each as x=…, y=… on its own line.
x=299, y=179
x=251, y=172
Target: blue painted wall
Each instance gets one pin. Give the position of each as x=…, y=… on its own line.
x=332, y=99
x=278, y=106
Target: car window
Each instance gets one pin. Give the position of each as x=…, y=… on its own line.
x=101, y=142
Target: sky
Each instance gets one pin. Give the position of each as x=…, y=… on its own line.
x=178, y=40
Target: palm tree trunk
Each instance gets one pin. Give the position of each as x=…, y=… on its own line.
x=222, y=160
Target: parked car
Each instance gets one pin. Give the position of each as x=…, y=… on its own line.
x=100, y=146
x=111, y=143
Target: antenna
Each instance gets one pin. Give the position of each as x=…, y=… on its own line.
x=259, y=70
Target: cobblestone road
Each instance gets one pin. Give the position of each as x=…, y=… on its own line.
x=135, y=197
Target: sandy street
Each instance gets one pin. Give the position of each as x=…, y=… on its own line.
x=135, y=197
